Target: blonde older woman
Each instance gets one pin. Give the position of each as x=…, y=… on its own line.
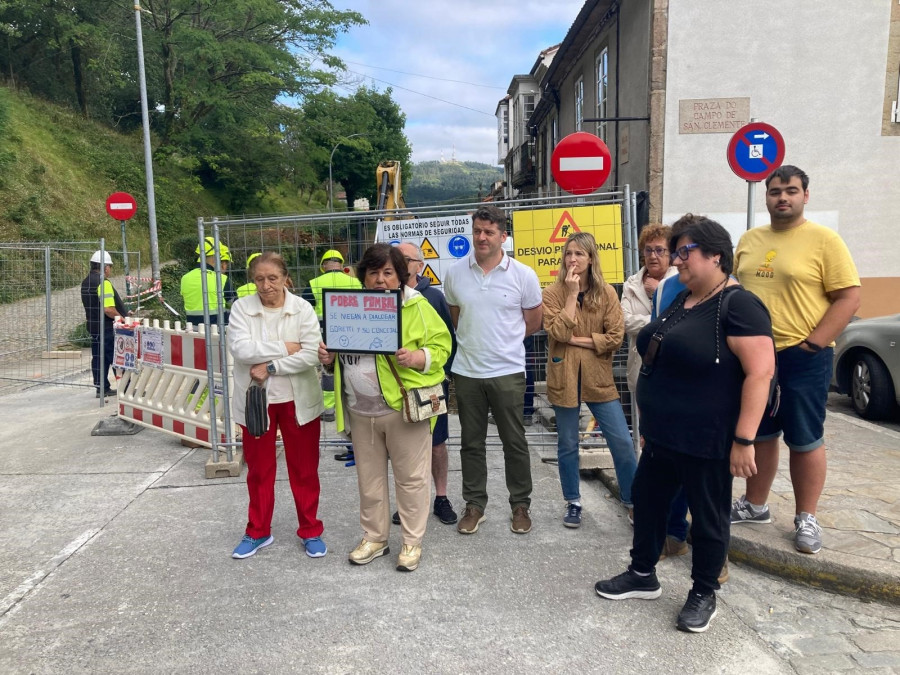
x=274, y=339
x=637, y=293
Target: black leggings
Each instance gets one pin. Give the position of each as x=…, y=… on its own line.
x=707, y=486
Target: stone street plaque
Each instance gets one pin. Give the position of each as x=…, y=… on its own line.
x=712, y=115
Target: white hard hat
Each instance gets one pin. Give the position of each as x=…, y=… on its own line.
x=106, y=259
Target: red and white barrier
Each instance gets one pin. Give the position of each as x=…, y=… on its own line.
x=168, y=390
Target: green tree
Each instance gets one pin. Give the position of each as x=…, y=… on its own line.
x=328, y=119
x=215, y=69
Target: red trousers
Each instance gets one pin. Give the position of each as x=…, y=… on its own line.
x=301, y=451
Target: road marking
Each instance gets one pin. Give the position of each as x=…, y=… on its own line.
x=31, y=583
x=581, y=163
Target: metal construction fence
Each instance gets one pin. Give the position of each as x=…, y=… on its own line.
x=302, y=239
x=43, y=336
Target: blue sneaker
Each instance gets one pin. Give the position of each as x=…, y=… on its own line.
x=249, y=546
x=315, y=547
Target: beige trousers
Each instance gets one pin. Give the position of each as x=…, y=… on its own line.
x=375, y=439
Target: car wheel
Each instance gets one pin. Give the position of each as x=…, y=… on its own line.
x=871, y=389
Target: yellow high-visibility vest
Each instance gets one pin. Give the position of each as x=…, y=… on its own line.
x=333, y=279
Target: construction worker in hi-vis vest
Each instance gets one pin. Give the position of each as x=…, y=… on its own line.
x=333, y=276
x=192, y=288
x=250, y=287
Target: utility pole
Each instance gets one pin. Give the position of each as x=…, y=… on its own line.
x=148, y=150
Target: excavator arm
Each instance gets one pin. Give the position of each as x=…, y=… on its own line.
x=390, y=194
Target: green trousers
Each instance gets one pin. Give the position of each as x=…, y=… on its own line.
x=503, y=396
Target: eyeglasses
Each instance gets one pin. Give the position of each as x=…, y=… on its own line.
x=659, y=251
x=683, y=251
x=409, y=260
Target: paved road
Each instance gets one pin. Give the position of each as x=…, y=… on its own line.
x=117, y=560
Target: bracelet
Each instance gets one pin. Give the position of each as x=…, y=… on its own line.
x=743, y=441
x=811, y=345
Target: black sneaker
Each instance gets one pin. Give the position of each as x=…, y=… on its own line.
x=697, y=612
x=395, y=519
x=443, y=509
x=344, y=456
x=629, y=585
x=573, y=515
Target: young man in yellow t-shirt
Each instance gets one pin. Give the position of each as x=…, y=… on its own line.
x=804, y=274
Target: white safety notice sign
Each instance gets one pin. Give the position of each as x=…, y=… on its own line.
x=444, y=240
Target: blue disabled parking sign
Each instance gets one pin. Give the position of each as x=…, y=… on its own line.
x=458, y=246
x=755, y=151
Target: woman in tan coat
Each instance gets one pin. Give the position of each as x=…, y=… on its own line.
x=584, y=322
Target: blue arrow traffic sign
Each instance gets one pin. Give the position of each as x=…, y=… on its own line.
x=755, y=151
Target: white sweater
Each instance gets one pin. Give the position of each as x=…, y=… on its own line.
x=248, y=344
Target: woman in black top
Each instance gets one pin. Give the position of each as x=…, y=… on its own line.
x=708, y=363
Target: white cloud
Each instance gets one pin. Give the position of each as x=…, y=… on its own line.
x=473, y=42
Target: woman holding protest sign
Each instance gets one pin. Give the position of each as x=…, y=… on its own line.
x=369, y=402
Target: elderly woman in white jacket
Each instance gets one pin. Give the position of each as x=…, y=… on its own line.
x=637, y=293
x=274, y=338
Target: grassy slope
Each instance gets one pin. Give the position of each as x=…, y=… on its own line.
x=57, y=169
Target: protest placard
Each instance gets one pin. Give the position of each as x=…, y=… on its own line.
x=362, y=321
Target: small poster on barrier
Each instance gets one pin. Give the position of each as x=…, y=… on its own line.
x=361, y=321
x=126, y=348
x=152, y=347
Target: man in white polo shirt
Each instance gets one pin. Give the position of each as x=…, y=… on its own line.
x=495, y=302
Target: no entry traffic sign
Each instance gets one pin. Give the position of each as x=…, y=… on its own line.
x=121, y=206
x=755, y=151
x=581, y=163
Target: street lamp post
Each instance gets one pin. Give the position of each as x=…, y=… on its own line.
x=330, y=181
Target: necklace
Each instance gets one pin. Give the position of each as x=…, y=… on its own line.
x=707, y=296
x=665, y=328
x=687, y=310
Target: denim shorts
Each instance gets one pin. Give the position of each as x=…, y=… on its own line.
x=804, y=378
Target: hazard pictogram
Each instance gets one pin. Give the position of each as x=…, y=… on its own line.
x=428, y=272
x=564, y=228
x=428, y=251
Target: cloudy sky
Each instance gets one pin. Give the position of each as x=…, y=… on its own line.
x=416, y=47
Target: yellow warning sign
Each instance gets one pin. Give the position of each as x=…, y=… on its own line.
x=540, y=237
x=428, y=251
x=428, y=272
x=564, y=228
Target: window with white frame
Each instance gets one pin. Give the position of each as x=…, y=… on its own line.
x=529, y=106
x=602, y=91
x=579, y=103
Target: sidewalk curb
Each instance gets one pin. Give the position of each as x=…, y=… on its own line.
x=824, y=570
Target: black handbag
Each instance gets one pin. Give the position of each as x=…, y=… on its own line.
x=256, y=412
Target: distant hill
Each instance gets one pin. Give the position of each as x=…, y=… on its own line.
x=458, y=182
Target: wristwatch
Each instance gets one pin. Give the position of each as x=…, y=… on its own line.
x=743, y=441
x=270, y=368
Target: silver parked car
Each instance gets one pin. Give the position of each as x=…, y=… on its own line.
x=867, y=366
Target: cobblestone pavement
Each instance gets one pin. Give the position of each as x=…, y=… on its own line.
x=815, y=631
